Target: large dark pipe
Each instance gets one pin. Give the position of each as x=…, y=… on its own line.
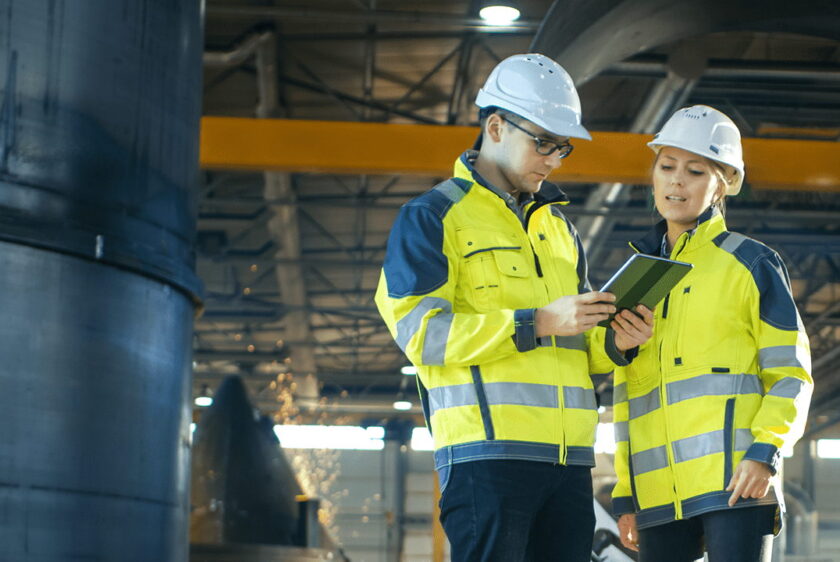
x=99, y=111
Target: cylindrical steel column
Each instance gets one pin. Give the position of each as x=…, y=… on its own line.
x=99, y=112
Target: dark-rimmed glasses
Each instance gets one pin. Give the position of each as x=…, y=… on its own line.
x=543, y=146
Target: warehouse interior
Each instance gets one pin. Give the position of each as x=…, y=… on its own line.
x=196, y=240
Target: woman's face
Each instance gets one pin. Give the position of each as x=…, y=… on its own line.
x=684, y=185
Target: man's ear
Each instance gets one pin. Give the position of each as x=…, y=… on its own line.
x=493, y=127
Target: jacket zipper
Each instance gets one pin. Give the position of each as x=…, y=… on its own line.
x=561, y=435
x=663, y=395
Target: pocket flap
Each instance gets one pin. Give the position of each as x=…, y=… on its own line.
x=511, y=262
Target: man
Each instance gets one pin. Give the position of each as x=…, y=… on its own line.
x=484, y=288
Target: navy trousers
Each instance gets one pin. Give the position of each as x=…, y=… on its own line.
x=518, y=511
x=729, y=535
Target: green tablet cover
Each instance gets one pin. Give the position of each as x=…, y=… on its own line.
x=643, y=280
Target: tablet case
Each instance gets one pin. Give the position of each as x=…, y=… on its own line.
x=643, y=279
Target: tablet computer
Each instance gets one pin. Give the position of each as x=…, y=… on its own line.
x=643, y=279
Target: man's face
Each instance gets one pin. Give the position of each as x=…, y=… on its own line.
x=521, y=164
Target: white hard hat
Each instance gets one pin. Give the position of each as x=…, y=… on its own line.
x=538, y=89
x=707, y=132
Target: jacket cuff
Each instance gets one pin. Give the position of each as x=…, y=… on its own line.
x=525, y=329
x=766, y=453
x=622, y=505
x=620, y=359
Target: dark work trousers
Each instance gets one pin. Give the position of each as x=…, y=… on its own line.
x=517, y=511
x=729, y=535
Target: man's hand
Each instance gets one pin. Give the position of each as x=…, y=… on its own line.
x=573, y=314
x=627, y=531
x=751, y=480
x=631, y=330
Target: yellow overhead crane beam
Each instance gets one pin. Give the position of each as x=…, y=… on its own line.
x=347, y=147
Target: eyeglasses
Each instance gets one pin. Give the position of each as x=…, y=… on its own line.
x=544, y=147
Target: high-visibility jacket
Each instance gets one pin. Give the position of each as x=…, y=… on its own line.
x=465, y=269
x=725, y=377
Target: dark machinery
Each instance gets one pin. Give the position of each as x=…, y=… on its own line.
x=246, y=502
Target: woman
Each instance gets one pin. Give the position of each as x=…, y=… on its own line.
x=724, y=383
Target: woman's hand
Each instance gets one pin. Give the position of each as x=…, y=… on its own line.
x=627, y=531
x=631, y=330
x=751, y=480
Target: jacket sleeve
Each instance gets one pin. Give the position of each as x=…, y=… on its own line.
x=622, y=494
x=784, y=359
x=416, y=297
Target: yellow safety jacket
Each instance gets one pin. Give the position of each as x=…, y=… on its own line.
x=465, y=268
x=725, y=377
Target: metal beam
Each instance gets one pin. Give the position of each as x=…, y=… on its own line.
x=427, y=150
x=366, y=16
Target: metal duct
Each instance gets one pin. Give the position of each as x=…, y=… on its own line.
x=587, y=36
x=99, y=113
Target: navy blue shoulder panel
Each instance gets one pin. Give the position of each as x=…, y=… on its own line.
x=414, y=260
x=777, y=306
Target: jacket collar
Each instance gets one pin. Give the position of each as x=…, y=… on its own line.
x=548, y=193
x=709, y=225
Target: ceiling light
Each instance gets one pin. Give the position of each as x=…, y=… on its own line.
x=402, y=405
x=499, y=13
x=409, y=370
x=204, y=399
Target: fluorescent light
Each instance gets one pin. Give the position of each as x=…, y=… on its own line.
x=828, y=448
x=402, y=405
x=421, y=439
x=409, y=370
x=499, y=14
x=605, y=438
x=330, y=437
x=203, y=401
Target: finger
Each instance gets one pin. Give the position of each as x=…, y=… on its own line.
x=628, y=542
x=633, y=322
x=598, y=308
x=647, y=314
x=626, y=328
x=736, y=493
x=596, y=296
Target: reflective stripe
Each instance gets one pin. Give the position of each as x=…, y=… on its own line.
x=788, y=387
x=437, y=334
x=783, y=356
x=411, y=322
x=579, y=397
x=622, y=431
x=712, y=385
x=522, y=394
x=743, y=439
x=452, y=396
x=652, y=459
x=545, y=341
x=514, y=393
x=451, y=190
x=698, y=446
x=732, y=242
x=709, y=443
x=577, y=342
x=620, y=393
x=644, y=404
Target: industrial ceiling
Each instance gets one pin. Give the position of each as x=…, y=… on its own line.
x=290, y=259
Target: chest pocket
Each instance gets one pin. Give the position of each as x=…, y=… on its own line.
x=495, y=270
